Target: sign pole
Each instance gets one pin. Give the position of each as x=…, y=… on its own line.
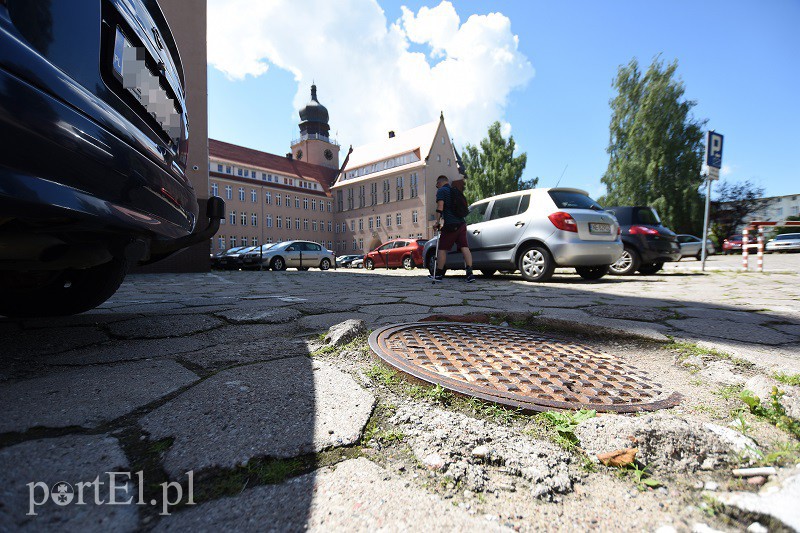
x=705, y=222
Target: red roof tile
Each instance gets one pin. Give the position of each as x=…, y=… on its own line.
x=323, y=175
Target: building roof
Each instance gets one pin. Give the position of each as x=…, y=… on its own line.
x=420, y=138
x=291, y=167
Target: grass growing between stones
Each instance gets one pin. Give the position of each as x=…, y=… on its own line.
x=773, y=412
x=689, y=349
x=639, y=475
x=787, y=379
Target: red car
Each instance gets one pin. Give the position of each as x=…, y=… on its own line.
x=406, y=253
x=734, y=244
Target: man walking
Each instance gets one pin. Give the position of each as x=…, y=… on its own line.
x=451, y=209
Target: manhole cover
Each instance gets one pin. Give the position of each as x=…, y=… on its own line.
x=522, y=369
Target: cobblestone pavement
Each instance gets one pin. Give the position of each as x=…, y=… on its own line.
x=205, y=380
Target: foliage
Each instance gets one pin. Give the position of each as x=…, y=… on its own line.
x=734, y=206
x=492, y=168
x=785, y=229
x=774, y=412
x=640, y=476
x=564, y=423
x=386, y=376
x=655, y=146
x=788, y=379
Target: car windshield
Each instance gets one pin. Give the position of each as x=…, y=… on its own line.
x=647, y=216
x=573, y=200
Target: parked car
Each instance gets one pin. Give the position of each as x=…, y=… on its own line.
x=357, y=263
x=406, y=253
x=220, y=260
x=535, y=231
x=692, y=246
x=346, y=260
x=732, y=244
x=93, y=175
x=301, y=255
x=235, y=260
x=252, y=258
x=786, y=242
x=648, y=244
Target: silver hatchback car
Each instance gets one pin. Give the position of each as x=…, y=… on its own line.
x=301, y=255
x=535, y=231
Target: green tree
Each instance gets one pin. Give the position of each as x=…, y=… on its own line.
x=655, y=146
x=492, y=169
x=735, y=205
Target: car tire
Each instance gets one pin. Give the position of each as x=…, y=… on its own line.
x=699, y=255
x=651, y=268
x=408, y=263
x=277, y=264
x=325, y=264
x=67, y=292
x=627, y=264
x=535, y=263
x=369, y=264
x=430, y=266
x=592, y=273
x=488, y=272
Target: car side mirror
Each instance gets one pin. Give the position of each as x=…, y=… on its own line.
x=290, y=249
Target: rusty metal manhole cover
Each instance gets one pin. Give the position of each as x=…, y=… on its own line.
x=521, y=369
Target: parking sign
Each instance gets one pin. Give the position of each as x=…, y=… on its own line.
x=714, y=149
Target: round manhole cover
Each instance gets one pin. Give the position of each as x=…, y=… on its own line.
x=522, y=369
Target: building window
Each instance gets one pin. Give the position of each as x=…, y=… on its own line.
x=233, y=218
x=269, y=240
x=228, y=192
x=314, y=205
x=219, y=167
x=305, y=204
x=244, y=241
x=448, y=161
x=352, y=225
x=438, y=157
x=244, y=219
x=362, y=196
x=355, y=244
x=279, y=222
x=360, y=244
x=373, y=193
x=253, y=195
x=388, y=221
x=400, y=188
x=254, y=219
x=233, y=242
x=412, y=178
x=297, y=223
x=419, y=235
x=214, y=189
x=387, y=193
x=414, y=217
x=399, y=219
x=268, y=197
x=254, y=241
x=241, y=194
x=277, y=199
x=227, y=169
x=369, y=223
x=339, y=201
x=221, y=240
x=288, y=202
x=337, y=227
x=305, y=224
x=329, y=206
x=239, y=171
x=378, y=222
x=269, y=221
x=360, y=224
x=350, y=198
x=297, y=202
x=313, y=225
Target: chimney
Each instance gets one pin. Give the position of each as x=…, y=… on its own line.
x=391, y=134
x=289, y=155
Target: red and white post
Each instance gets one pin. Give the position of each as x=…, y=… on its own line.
x=745, y=249
x=760, y=253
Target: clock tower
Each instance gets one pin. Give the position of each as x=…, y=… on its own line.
x=314, y=145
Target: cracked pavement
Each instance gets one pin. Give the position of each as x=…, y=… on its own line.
x=211, y=373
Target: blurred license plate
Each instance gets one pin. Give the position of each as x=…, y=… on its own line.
x=599, y=228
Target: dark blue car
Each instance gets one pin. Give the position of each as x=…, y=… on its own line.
x=93, y=145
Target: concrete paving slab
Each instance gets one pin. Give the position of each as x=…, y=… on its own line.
x=277, y=315
x=33, y=342
x=71, y=459
x=776, y=500
x=155, y=327
x=354, y=495
x=87, y=396
x=126, y=350
x=230, y=354
x=394, y=309
x=281, y=409
x=727, y=329
x=323, y=322
x=629, y=312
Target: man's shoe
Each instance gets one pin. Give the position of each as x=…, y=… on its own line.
x=470, y=276
x=438, y=276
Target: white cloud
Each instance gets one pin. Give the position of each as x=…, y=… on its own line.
x=726, y=170
x=366, y=74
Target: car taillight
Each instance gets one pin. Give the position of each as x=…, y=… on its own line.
x=619, y=231
x=563, y=221
x=642, y=230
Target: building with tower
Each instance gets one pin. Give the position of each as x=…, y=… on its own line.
x=382, y=190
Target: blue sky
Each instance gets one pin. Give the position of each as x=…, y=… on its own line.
x=739, y=61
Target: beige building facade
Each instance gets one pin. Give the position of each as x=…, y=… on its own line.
x=383, y=190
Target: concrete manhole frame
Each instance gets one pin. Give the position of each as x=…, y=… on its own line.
x=517, y=368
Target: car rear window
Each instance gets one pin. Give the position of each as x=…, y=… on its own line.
x=573, y=200
x=647, y=216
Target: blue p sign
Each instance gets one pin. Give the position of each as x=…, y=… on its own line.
x=714, y=149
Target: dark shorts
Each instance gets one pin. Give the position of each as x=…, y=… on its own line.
x=456, y=236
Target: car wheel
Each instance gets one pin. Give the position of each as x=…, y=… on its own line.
x=536, y=264
x=429, y=266
x=699, y=255
x=278, y=264
x=592, y=273
x=652, y=268
x=325, y=264
x=488, y=272
x=408, y=263
x=67, y=292
x=369, y=264
x=627, y=264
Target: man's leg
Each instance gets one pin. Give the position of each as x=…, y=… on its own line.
x=442, y=259
x=467, y=257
